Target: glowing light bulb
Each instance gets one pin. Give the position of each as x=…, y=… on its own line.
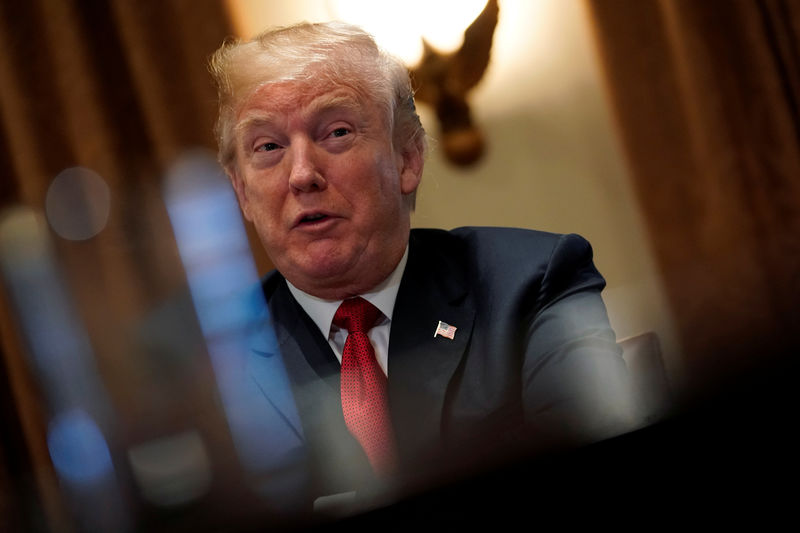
x=401, y=30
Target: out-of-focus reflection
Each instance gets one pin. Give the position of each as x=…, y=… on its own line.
x=172, y=470
x=78, y=204
x=60, y=352
x=78, y=449
x=234, y=319
x=153, y=453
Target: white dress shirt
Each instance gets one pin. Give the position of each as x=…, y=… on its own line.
x=383, y=297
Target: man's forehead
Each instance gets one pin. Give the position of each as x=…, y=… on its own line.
x=275, y=100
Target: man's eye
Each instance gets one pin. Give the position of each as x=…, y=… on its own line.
x=340, y=132
x=267, y=147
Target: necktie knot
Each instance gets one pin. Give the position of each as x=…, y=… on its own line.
x=356, y=314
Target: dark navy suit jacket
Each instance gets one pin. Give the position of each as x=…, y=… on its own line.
x=533, y=364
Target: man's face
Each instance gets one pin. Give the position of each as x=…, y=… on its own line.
x=319, y=177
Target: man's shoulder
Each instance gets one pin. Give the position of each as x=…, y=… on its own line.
x=490, y=233
x=492, y=242
x=502, y=256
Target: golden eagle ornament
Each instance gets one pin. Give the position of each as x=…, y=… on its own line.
x=443, y=81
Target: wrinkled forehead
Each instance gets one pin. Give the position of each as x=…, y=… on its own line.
x=294, y=94
x=273, y=102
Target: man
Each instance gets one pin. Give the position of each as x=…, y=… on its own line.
x=485, y=340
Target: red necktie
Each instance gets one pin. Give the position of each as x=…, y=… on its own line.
x=364, y=398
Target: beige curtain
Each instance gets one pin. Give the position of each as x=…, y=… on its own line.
x=707, y=99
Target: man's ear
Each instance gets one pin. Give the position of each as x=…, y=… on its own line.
x=413, y=160
x=241, y=191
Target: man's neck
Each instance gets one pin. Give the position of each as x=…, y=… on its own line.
x=381, y=296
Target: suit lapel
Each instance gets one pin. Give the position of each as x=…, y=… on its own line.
x=421, y=366
x=308, y=358
x=267, y=368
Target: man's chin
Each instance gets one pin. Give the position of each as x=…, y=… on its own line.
x=333, y=273
x=317, y=276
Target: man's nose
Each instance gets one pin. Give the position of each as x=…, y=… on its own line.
x=305, y=174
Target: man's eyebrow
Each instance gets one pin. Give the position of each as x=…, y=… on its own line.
x=332, y=102
x=254, y=121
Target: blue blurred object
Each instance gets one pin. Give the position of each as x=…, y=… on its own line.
x=235, y=321
x=78, y=449
x=62, y=360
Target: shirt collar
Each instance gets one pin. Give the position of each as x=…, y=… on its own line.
x=382, y=296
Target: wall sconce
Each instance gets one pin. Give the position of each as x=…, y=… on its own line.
x=443, y=73
x=444, y=80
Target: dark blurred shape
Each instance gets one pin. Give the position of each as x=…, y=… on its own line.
x=726, y=458
x=444, y=81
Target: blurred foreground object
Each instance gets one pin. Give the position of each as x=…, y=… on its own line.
x=234, y=319
x=60, y=354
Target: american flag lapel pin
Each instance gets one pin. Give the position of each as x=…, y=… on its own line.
x=445, y=330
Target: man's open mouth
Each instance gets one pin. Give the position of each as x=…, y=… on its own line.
x=313, y=218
